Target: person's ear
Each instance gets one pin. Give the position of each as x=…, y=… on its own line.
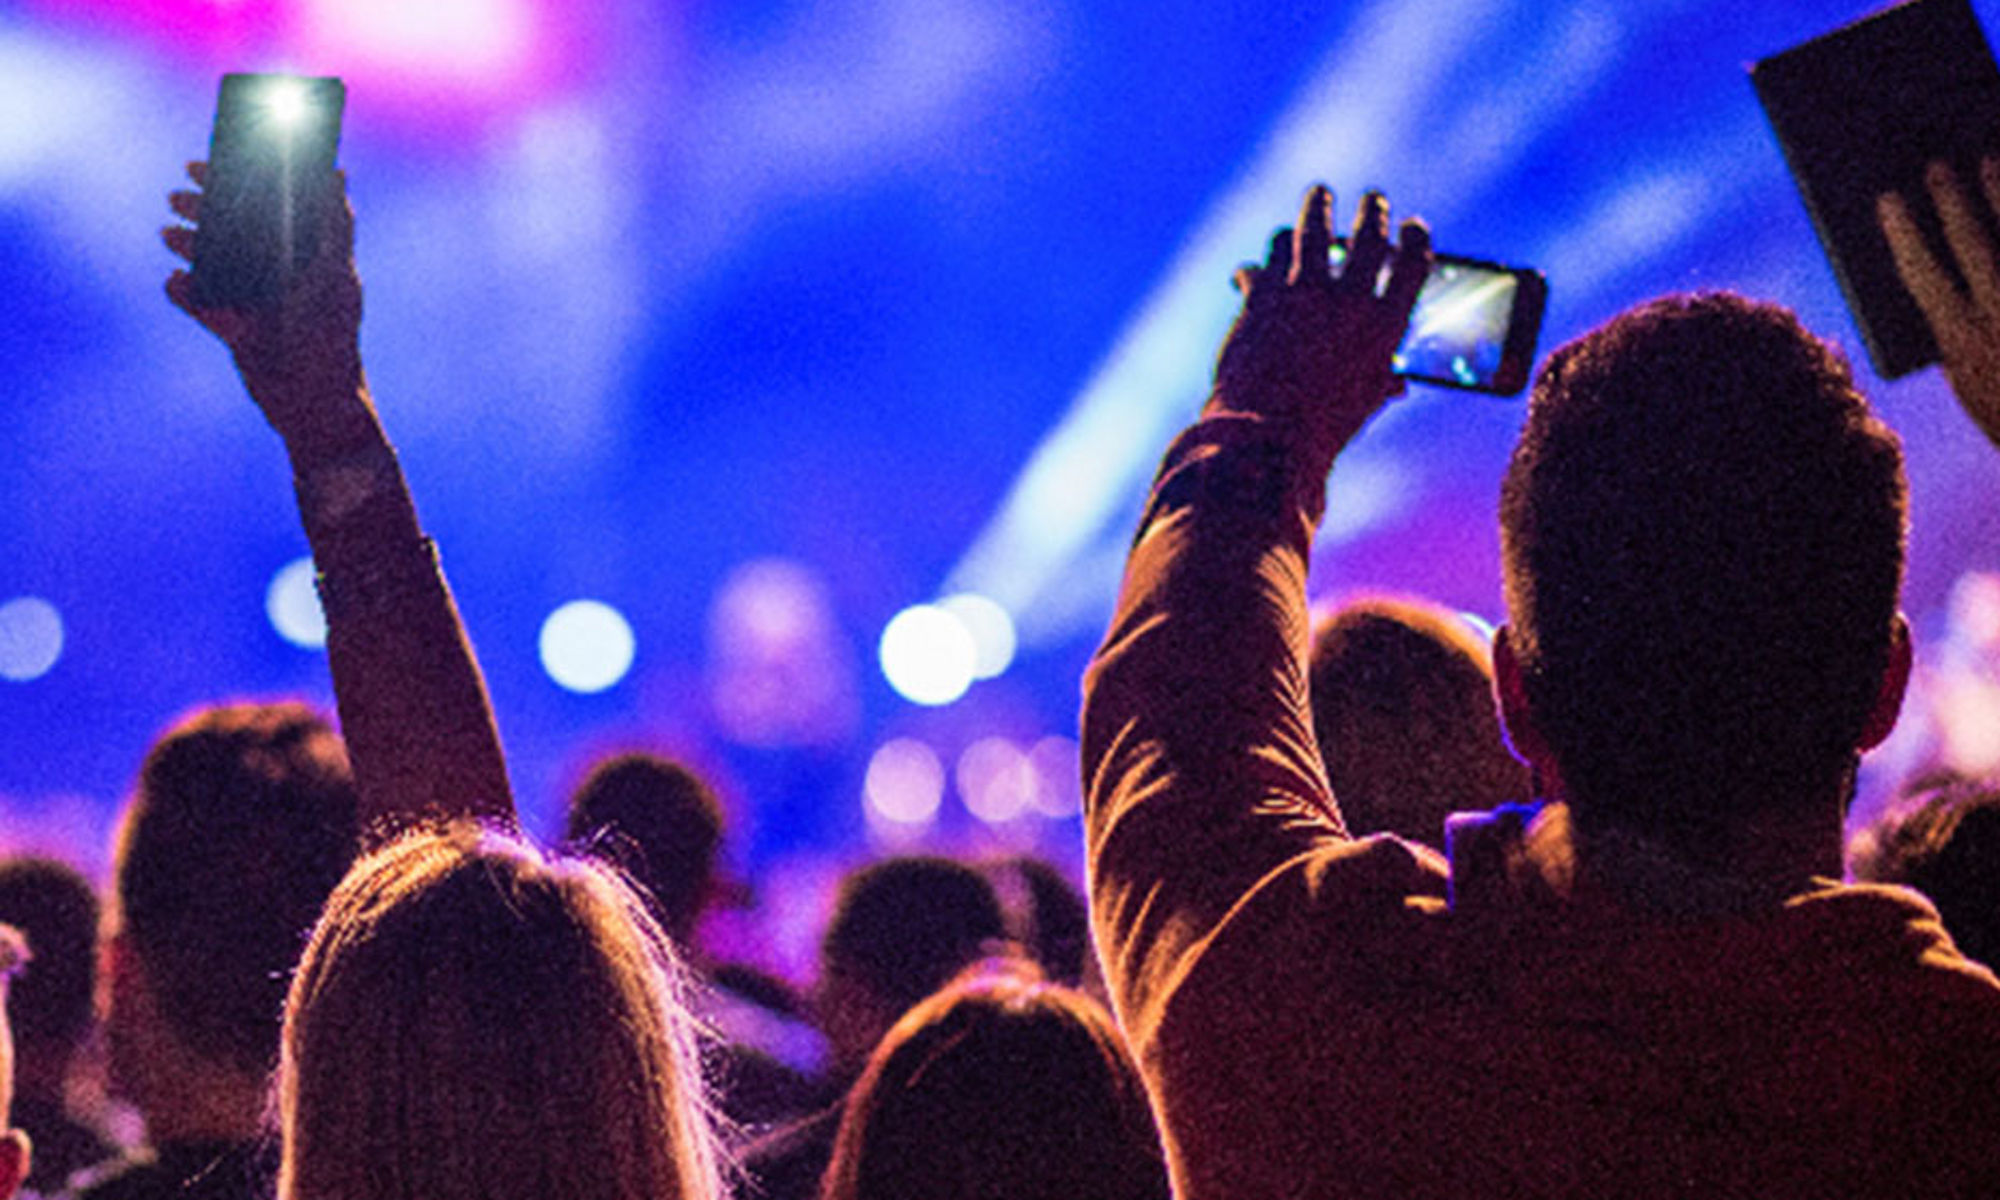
x=16, y=1155
x=1889, y=693
x=1510, y=692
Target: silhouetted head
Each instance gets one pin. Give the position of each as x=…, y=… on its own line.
x=1944, y=841
x=1402, y=704
x=49, y=1003
x=658, y=821
x=1048, y=916
x=999, y=1087
x=1702, y=542
x=15, y=1157
x=900, y=929
x=243, y=821
x=476, y=1020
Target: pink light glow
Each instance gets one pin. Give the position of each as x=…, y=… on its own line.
x=440, y=59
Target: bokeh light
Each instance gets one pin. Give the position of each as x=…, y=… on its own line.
x=905, y=783
x=1058, y=777
x=928, y=655
x=587, y=646
x=779, y=672
x=31, y=638
x=292, y=603
x=995, y=780
x=992, y=631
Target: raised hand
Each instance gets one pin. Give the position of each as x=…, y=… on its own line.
x=1966, y=321
x=300, y=355
x=1312, y=348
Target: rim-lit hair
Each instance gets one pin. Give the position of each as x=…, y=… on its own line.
x=999, y=1087
x=476, y=1019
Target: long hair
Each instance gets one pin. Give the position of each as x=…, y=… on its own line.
x=476, y=1020
x=999, y=1087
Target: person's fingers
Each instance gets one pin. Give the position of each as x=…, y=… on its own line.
x=197, y=170
x=1962, y=233
x=1412, y=267
x=1278, y=266
x=1922, y=275
x=1245, y=279
x=1312, y=245
x=179, y=239
x=227, y=324
x=186, y=205
x=1369, y=249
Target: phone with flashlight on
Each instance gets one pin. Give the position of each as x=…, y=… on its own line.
x=269, y=154
x=1474, y=327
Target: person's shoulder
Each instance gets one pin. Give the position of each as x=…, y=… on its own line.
x=1891, y=939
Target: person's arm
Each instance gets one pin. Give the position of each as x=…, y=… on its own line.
x=413, y=705
x=1200, y=768
x=1966, y=321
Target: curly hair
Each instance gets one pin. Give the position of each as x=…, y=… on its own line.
x=1702, y=534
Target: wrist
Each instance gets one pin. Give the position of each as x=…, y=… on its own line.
x=323, y=423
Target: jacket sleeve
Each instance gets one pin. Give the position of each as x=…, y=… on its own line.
x=1201, y=772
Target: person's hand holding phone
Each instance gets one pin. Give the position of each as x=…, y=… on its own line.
x=1312, y=349
x=1965, y=321
x=299, y=352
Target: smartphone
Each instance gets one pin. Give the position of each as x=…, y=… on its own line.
x=1475, y=325
x=1860, y=111
x=269, y=156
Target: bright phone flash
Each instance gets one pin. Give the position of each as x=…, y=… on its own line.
x=286, y=102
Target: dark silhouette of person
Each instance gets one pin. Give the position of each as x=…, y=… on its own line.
x=1654, y=982
x=50, y=1008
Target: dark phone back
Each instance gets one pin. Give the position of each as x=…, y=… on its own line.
x=269, y=156
x=1860, y=112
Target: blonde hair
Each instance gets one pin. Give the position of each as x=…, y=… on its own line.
x=476, y=1019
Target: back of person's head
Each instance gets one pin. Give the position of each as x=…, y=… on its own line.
x=660, y=822
x=49, y=1004
x=476, y=1020
x=1702, y=542
x=15, y=1152
x=243, y=822
x=1402, y=704
x=904, y=926
x=1944, y=841
x=999, y=1087
x=900, y=929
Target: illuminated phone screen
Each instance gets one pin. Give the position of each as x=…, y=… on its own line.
x=1459, y=328
x=1462, y=330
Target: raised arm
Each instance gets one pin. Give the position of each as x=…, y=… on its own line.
x=1966, y=321
x=413, y=705
x=1201, y=773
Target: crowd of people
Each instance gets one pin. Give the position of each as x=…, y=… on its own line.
x=1380, y=910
